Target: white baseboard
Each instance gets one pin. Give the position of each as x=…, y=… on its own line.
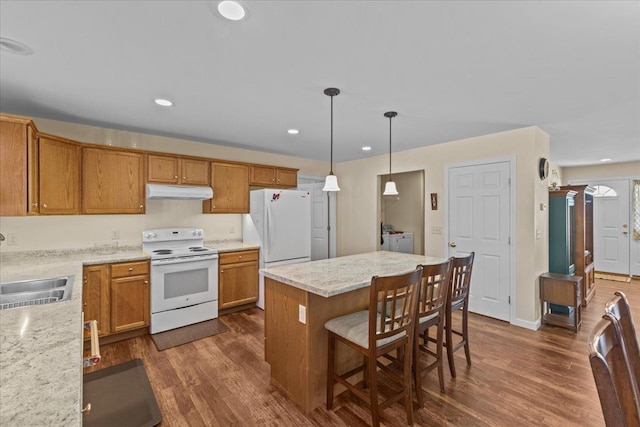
x=527, y=324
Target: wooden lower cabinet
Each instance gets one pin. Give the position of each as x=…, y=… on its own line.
x=95, y=297
x=237, y=278
x=117, y=295
x=588, y=284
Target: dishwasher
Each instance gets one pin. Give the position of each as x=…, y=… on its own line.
x=119, y=395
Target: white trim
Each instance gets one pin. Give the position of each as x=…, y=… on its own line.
x=527, y=324
x=512, y=223
x=589, y=180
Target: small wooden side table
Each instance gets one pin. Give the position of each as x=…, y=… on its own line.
x=561, y=289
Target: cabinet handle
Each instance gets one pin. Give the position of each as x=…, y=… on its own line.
x=44, y=205
x=146, y=282
x=221, y=271
x=130, y=269
x=184, y=177
x=175, y=177
x=35, y=205
x=84, y=304
x=86, y=409
x=239, y=256
x=141, y=206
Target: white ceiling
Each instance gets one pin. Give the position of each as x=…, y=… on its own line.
x=451, y=69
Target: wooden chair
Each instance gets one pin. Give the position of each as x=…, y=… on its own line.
x=461, y=269
x=612, y=373
x=618, y=307
x=431, y=313
x=386, y=326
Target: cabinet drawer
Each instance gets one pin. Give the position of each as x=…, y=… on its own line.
x=234, y=257
x=127, y=269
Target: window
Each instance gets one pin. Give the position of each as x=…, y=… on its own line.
x=604, y=191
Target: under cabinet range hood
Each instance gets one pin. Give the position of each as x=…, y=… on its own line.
x=180, y=192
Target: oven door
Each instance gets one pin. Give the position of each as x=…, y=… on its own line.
x=181, y=282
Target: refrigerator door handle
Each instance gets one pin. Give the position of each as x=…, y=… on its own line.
x=269, y=228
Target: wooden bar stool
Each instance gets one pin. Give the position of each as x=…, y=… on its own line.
x=612, y=373
x=459, y=299
x=618, y=307
x=386, y=326
x=431, y=313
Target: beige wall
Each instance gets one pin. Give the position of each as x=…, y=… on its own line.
x=81, y=231
x=357, y=202
x=604, y=170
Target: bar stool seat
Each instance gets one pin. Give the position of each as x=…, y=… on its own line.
x=355, y=328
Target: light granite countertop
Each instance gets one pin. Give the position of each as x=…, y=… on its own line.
x=41, y=346
x=334, y=276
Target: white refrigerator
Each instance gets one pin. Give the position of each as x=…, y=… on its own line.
x=280, y=222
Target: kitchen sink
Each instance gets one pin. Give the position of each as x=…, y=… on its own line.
x=35, y=292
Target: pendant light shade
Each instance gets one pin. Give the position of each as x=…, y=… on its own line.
x=331, y=182
x=390, y=187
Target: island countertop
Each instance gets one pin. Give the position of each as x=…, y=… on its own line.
x=334, y=276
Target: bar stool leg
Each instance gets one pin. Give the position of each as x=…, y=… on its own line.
x=330, y=367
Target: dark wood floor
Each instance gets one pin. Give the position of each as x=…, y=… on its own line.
x=518, y=378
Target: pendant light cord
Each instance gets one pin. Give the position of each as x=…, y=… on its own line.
x=331, y=171
x=389, y=180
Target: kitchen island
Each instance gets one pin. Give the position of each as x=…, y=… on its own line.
x=300, y=298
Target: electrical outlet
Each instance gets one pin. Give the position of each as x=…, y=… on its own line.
x=115, y=234
x=302, y=314
x=12, y=239
x=436, y=229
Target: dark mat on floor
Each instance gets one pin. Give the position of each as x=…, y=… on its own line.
x=120, y=395
x=186, y=334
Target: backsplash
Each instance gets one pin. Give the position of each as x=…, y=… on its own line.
x=82, y=231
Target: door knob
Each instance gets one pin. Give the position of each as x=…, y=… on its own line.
x=625, y=232
x=452, y=244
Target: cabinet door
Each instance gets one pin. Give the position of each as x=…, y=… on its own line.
x=194, y=172
x=95, y=297
x=112, y=182
x=59, y=177
x=263, y=175
x=13, y=172
x=230, y=184
x=129, y=303
x=238, y=284
x=163, y=169
x=287, y=178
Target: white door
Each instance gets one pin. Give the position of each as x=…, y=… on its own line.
x=479, y=221
x=611, y=215
x=322, y=208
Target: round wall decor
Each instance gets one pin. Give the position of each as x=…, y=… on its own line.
x=543, y=168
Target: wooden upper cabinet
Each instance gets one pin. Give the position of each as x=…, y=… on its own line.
x=19, y=167
x=270, y=176
x=112, y=181
x=177, y=170
x=230, y=184
x=194, y=171
x=59, y=176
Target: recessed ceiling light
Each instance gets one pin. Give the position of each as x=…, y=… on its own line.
x=164, y=102
x=605, y=160
x=232, y=10
x=366, y=148
x=15, y=47
x=293, y=131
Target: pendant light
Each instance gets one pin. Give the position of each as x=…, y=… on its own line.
x=331, y=182
x=390, y=187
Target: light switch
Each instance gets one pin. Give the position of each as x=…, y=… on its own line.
x=436, y=229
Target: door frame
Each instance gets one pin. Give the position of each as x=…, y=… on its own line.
x=306, y=179
x=512, y=223
x=630, y=178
